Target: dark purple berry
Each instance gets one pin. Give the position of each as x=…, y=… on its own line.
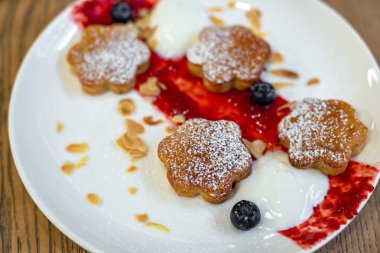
x=262, y=93
x=245, y=215
x=121, y=12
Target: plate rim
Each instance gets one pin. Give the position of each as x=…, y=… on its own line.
x=57, y=222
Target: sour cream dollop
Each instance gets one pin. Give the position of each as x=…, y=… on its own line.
x=285, y=195
x=178, y=24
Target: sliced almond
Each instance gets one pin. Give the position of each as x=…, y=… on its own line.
x=313, y=81
x=285, y=73
x=126, y=106
x=133, y=142
x=142, y=218
x=133, y=127
x=143, y=12
x=68, y=168
x=216, y=21
x=152, y=42
x=231, y=4
x=132, y=169
x=132, y=190
x=285, y=106
x=77, y=148
x=151, y=122
x=170, y=129
x=254, y=18
x=282, y=85
x=162, y=86
x=132, y=145
x=59, y=127
x=82, y=162
x=150, y=87
x=179, y=118
x=215, y=9
x=93, y=199
x=256, y=148
x=277, y=58
x=157, y=226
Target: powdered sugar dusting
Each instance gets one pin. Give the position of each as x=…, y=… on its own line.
x=320, y=130
x=229, y=52
x=206, y=155
x=109, y=54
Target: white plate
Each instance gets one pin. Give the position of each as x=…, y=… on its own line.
x=313, y=38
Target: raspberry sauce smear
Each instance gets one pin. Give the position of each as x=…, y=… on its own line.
x=186, y=95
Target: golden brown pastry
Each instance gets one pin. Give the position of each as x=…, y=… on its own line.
x=323, y=134
x=205, y=157
x=228, y=57
x=108, y=58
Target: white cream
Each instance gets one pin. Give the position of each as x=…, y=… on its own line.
x=285, y=195
x=178, y=23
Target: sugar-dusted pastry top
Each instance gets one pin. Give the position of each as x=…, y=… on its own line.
x=108, y=54
x=230, y=52
x=322, y=133
x=205, y=157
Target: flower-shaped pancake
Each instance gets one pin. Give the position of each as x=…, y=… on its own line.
x=228, y=57
x=205, y=157
x=109, y=58
x=323, y=134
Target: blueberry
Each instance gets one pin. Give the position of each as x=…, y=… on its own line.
x=245, y=215
x=121, y=13
x=262, y=93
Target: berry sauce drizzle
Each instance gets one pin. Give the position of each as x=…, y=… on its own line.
x=186, y=95
x=98, y=12
x=347, y=191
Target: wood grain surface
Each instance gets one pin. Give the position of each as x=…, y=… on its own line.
x=23, y=228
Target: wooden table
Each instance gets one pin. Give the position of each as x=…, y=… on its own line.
x=23, y=228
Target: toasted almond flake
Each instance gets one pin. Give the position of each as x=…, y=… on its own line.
x=150, y=87
x=126, y=106
x=132, y=169
x=282, y=85
x=152, y=42
x=77, y=148
x=260, y=145
x=231, y=4
x=151, y=122
x=162, y=86
x=133, y=142
x=216, y=21
x=256, y=148
x=93, y=199
x=254, y=18
x=59, y=127
x=313, y=81
x=285, y=73
x=82, y=162
x=179, y=118
x=68, y=168
x=132, y=145
x=170, y=129
x=133, y=127
x=285, y=106
x=157, y=226
x=277, y=58
x=142, y=218
x=143, y=12
x=215, y=9
x=132, y=190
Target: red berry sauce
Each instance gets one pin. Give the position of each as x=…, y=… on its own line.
x=186, y=95
x=347, y=191
x=91, y=12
